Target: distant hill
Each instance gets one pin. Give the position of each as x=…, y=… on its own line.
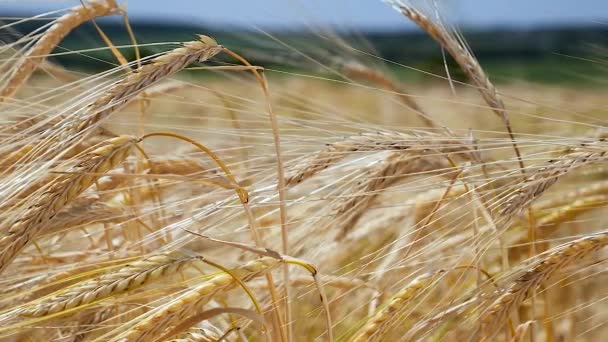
x=410, y=47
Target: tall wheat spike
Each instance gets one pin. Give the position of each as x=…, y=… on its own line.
x=121, y=92
x=467, y=62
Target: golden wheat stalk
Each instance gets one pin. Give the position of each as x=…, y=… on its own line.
x=36, y=55
x=48, y=201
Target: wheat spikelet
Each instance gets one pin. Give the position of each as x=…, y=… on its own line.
x=555, y=260
x=132, y=276
x=536, y=184
x=32, y=220
x=153, y=324
x=396, y=166
x=28, y=63
x=370, y=142
x=521, y=330
x=379, y=323
x=158, y=68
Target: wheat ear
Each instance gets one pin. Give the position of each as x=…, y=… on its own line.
x=130, y=277
x=33, y=219
x=467, y=62
x=537, y=183
x=121, y=92
x=36, y=55
x=379, y=323
x=556, y=260
x=158, y=68
x=152, y=325
x=389, y=172
x=369, y=142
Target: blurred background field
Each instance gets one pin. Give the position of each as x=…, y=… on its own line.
x=564, y=47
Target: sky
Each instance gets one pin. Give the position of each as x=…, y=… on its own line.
x=347, y=14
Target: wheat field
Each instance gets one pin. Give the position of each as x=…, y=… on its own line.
x=192, y=196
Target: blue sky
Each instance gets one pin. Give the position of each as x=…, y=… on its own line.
x=358, y=14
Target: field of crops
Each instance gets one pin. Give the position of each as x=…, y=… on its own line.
x=191, y=196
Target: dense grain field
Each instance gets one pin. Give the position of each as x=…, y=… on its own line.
x=150, y=203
